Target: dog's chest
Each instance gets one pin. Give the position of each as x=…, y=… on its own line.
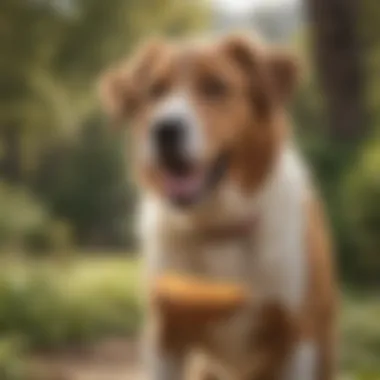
x=229, y=261
x=271, y=272
x=269, y=261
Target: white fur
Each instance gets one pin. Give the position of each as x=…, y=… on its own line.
x=280, y=267
x=162, y=365
x=274, y=266
x=303, y=363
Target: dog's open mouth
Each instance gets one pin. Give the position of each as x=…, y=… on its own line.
x=189, y=184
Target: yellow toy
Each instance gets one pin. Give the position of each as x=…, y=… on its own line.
x=183, y=296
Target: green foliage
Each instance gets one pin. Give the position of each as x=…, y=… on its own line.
x=360, y=334
x=25, y=224
x=361, y=205
x=52, y=139
x=48, y=306
x=87, y=186
x=12, y=359
x=346, y=174
x=331, y=161
x=21, y=216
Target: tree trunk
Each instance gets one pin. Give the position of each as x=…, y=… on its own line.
x=339, y=63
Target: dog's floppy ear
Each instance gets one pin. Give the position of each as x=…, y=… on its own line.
x=284, y=67
x=120, y=87
x=248, y=53
x=114, y=92
x=243, y=49
x=272, y=72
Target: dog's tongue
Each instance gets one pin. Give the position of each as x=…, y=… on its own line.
x=183, y=186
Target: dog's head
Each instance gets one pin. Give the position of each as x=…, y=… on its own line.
x=202, y=114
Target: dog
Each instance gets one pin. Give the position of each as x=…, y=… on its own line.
x=226, y=196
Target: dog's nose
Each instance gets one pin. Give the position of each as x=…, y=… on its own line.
x=170, y=140
x=169, y=134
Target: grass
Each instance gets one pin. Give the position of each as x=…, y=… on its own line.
x=360, y=336
x=52, y=304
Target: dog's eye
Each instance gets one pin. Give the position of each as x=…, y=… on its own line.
x=213, y=88
x=157, y=90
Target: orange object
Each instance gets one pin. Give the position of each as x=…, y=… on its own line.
x=179, y=295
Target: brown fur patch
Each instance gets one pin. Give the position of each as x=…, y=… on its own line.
x=254, y=156
x=121, y=87
x=269, y=346
x=267, y=73
x=286, y=73
x=272, y=342
x=319, y=319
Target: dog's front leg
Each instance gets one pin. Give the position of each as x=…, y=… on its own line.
x=164, y=347
x=165, y=365
x=164, y=351
x=164, y=358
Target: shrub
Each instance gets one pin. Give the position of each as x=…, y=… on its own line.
x=12, y=362
x=361, y=206
x=87, y=187
x=20, y=215
x=26, y=224
x=360, y=345
x=52, y=306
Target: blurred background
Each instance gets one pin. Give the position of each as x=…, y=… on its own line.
x=69, y=299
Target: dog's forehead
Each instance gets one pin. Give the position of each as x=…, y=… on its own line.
x=192, y=49
x=183, y=52
x=193, y=57
x=189, y=61
x=199, y=52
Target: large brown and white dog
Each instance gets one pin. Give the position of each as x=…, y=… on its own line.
x=226, y=196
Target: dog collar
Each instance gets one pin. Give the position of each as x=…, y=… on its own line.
x=231, y=231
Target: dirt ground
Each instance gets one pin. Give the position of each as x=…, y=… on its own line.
x=115, y=359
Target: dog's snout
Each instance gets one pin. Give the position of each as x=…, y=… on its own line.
x=169, y=134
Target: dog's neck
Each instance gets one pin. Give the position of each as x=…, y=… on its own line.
x=230, y=211
x=230, y=208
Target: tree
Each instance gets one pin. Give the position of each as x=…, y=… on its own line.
x=338, y=55
x=52, y=138
x=51, y=57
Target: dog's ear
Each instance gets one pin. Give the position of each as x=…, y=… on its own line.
x=285, y=70
x=243, y=49
x=248, y=54
x=114, y=92
x=272, y=72
x=120, y=87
